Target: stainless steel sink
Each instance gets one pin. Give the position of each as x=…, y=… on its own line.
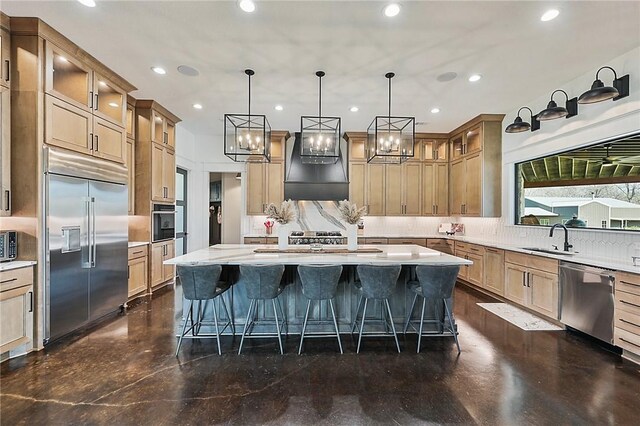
x=544, y=250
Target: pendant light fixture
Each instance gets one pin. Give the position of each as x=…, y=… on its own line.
x=247, y=137
x=599, y=92
x=553, y=111
x=390, y=139
x=320, y=136
x=519, y=125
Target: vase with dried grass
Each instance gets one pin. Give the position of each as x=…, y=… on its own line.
x=284, y=215
x=351, y=215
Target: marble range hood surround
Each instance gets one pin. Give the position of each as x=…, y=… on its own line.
x=320, y=182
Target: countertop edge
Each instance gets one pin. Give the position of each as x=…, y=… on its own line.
x=16, y=264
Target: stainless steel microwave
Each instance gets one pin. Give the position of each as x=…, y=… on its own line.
x=8, y=245
x=164, y=222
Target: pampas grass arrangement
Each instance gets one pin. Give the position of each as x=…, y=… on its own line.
x=350, y=212
x=284, y=214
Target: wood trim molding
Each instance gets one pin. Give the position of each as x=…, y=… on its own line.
x=5, y=21
x=477, y=120
x=280, y=134
x=151, y=104
x=37, y=27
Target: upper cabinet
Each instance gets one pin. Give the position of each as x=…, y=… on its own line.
x=475, y=176
x=265, y=181
x=5, y=51
x=163, y=130
x=5, y=151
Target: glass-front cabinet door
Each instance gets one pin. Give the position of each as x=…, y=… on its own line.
x=473, y=140
x=457, y=146
x=110, y=102
x=434, y=149
x=67, y=78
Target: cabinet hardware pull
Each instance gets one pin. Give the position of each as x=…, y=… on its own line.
x=629, y=303
x=528, y=279
x=96, y=104
x=7, y=205
x=631, y=343
x=97, y=144
x=629, y=322
x=91, y=99
x=30, y=301
x=8, y=65
x=128, y=272
x=8, y=281
x=524, y=279
x=628, y=283
x=436, y=209
x=91, y=141
x=137, y=252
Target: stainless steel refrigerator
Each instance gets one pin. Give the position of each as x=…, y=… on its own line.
x=86, y=240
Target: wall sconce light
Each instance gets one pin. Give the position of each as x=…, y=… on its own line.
x=519, y=125
x=599, y=92
x=553, y=111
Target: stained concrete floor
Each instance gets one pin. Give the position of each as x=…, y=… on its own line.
x=125, y=372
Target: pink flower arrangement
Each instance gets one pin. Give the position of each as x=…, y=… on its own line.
x=268, y=224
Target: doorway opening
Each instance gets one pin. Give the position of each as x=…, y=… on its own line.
x=181, y=211
x=224, y=208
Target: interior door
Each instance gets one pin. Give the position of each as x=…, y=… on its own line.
x=67, y=298
x=109, y=236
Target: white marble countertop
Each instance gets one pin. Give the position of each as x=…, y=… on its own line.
x=238, y=254
x=137, y=243
x=16, y=264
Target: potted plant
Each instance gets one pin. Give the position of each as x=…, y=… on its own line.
x=284, y=214
x=352, y=215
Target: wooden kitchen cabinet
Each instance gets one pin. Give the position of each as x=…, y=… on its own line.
x=393, y=201
x=169, y=175
x=357, y=179
x=130, y=123
x=434, y=149
x=130, y=163
x=442, y=245
x=160, y=273
x=5, y=151
x=68, y=78
x=376, y=187
x=494, y=270
x=627, y=312
x=435, y=189
x=475, y=185
x=265, y=185
x=412, y=241
x=16, y=308
x=5, y=51
x=109, y=100
x=138, y=271
x=163, y=170
x=402, y=189
x=532, y=281
x=473, y=273
x=109, y=140
x=68, y=126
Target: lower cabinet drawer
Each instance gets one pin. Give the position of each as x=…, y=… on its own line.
x=417, y=241
x=376, y=241
x=627, y=340
x=629, y=283
x=271, y=240
x=627, y=302
x=255, y=240
x=627, y=321
x=136, y=252
x=16, y=278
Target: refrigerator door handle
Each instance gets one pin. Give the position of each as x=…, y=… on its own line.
x=87, y=205
x=94, y=245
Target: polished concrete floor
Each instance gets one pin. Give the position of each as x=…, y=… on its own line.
x=125, y=372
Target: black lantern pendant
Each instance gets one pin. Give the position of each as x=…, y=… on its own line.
x=320, y=136
x=247, y=137
x=599, y=92
x=553, y=111
x=519, y=125
x=390, y=139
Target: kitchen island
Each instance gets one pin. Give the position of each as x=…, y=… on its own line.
x=231, y=256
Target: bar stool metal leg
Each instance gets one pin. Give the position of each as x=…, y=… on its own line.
x=215, y=321
x=184, y=327
x=335, y=323
x=424, y=304
x=226, y=309
x=406, y=326
x=355, y=319
x=393, y=327
x=246, y=325
x=285, y=320
x=275, y=312
x=455, y=334
x=364, y=314
x=304, y=326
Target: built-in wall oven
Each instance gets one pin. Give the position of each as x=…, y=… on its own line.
x=164, y=222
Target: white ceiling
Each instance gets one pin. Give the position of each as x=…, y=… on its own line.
x=285, y=42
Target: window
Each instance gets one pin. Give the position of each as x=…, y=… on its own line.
x=598, y=185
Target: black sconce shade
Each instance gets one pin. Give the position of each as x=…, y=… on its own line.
x=599, y=92
x=553, y=111
x=519, y=125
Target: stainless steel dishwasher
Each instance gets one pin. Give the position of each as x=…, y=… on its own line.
x=586, y=299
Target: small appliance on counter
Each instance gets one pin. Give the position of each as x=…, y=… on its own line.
x=8, y=245
x=451, y=228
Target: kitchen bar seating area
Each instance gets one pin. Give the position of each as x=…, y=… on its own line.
x=269, y=212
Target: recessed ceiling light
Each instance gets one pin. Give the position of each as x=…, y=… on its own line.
x=247, y=5
x=279, y=108
x=113, y=105
x=188, y=71
x=159, y=70
x=474, y=77
x=435, y=110
x=197, y=106
x=354, y=109
x=88, y=3
x=549, y=15
x=392, y=10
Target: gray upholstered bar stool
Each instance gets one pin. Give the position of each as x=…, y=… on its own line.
x=436, y=283
x=377, y=283
x=200, y=283
x=262, y=283
x=319, y=282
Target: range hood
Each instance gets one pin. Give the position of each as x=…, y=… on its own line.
x=321, y=182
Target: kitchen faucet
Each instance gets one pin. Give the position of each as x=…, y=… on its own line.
x=567, y=246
